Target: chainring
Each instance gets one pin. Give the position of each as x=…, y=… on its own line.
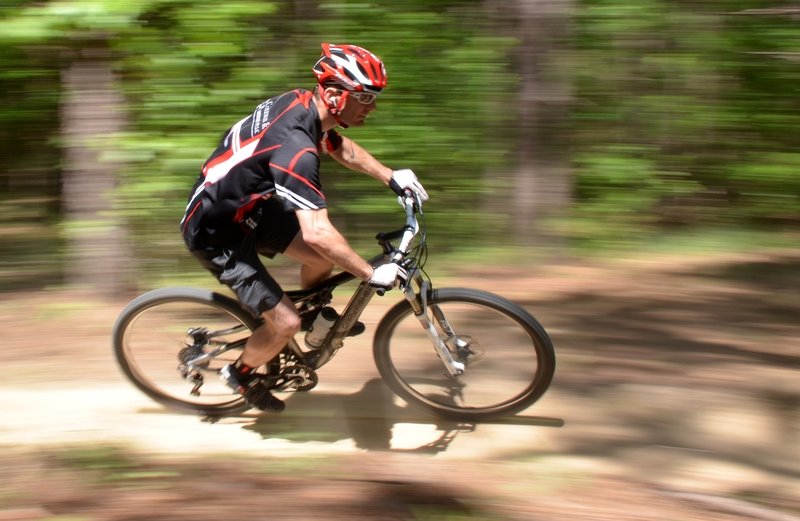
x=297, y=377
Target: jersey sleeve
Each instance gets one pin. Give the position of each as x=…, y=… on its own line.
x=332, y=140
x=296, y=175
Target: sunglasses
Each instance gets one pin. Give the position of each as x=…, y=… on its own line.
x=365, y=98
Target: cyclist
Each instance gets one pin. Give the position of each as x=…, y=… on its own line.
x=260, y=193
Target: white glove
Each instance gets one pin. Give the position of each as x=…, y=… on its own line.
x=407, y=179
x=386, y=275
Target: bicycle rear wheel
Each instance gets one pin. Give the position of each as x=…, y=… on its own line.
x=159, y=332
x=508, y=356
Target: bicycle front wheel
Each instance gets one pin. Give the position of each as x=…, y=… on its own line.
x=509, y=358
x=158, y=336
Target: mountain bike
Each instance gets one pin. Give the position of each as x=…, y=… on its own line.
x=460, y=353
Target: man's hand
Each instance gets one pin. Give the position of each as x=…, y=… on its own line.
x=406, y=179
x=386, y=275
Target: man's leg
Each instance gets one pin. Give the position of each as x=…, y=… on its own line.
x=242, y=270
x=314, y=270
x=281, y=323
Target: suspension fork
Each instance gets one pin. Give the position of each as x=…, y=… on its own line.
x=419, y=304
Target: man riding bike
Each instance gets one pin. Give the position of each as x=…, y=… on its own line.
x=260, y=193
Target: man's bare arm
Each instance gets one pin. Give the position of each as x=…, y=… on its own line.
x=319, y=233
x=355, y=157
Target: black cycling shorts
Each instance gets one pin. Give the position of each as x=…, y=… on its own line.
x=237, y=264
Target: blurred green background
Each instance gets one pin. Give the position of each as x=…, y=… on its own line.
x=567, y=126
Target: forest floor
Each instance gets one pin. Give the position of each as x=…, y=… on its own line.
x=676, y=397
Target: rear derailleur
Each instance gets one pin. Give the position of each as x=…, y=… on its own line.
x=194, y=350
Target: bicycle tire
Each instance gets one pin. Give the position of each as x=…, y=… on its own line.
x=406, y=359
x=164, y=313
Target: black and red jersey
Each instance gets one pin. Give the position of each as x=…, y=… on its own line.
x=273, y=152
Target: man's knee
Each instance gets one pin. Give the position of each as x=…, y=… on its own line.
x=287, y=327
x=283, y=320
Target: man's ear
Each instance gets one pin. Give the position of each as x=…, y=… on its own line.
x=331, y=95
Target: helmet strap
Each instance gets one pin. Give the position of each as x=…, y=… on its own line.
x=335, y=108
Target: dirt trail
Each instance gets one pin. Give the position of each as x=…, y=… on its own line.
x=676, y=397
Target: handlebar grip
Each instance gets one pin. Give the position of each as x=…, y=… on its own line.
x=396, y=188
x=381, y=292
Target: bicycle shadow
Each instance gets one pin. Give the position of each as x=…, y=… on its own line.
x=373, y=421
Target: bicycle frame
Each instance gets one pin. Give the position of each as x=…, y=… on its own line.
x=313, y=299
x=319, y=296
x=467, y=328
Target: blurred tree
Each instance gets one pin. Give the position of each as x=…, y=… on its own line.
x=442, y=62
x=682, y=118
x=76, y=37
x=638, y=115
x=29, y=164
x=90, y=41
x=541, y=182
x=92, y=110
x=183, y=80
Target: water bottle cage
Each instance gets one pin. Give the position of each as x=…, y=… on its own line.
x=322, y=325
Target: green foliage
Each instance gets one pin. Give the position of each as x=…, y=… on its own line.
x=185, y=91
x=686, y=113
x=681, y=114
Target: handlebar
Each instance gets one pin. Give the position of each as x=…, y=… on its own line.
x=412, y=205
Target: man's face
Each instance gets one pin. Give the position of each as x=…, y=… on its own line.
x=354, y=113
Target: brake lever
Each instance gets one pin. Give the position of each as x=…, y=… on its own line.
x=418, y=203
x=416, y=200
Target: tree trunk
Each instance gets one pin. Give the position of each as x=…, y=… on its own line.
x=92, y=111
x=542, y=177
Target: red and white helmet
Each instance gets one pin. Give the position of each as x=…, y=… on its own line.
x=351, y=68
